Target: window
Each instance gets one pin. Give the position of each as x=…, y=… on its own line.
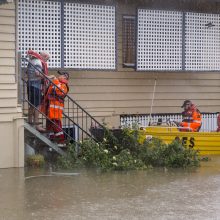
x=129, y=41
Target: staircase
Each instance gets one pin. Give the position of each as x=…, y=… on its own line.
x=76, y=121
x=44, y=139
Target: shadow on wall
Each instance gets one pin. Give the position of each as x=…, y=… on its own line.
x=6, y=1
x=185, y=5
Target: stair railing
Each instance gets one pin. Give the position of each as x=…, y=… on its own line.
x=77, y=123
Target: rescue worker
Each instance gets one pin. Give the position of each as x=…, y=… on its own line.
x=55, y=104
x=35, y=70
x=192, y=118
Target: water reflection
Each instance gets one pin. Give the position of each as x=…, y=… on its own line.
x=153, y=194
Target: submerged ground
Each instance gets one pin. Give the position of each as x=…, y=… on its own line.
x=152, y=194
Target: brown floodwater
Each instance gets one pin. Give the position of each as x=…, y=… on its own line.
x=88, y=194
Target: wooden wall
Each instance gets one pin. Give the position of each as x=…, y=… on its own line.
x=8, y=84
x=11, y=121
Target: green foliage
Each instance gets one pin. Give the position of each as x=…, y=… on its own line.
x=125, y=151
x=129, y=140
x=95, y=155
x=35, y=160
x=126, y=161
x=157, y=153
x=70, y=160
x=152, y=152
x=176, y=155
x=205, y=159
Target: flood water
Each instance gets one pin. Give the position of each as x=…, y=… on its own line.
x=153, y=194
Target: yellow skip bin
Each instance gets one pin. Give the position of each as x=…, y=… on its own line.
x=208, y=143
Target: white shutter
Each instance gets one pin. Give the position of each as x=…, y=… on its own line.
x=39, y=28
x=89, y=36
x=159, y=40
x=202, y=41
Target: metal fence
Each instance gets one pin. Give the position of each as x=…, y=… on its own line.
x=209, y=120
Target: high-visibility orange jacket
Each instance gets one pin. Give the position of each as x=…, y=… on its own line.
x=55, y=99
x=192, y=120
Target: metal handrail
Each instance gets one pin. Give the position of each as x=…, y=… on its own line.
x=73, y=118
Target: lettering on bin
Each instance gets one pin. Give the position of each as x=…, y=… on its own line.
x=187, y=141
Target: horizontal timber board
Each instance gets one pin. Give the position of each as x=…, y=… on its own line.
x=129, y=73
x=77, y=89
x=144, y=96
x=7, y=53
x=94, y=114
x=8, y=6
x=7, y=45
x=128, y=82
x=142, y=103
x=7, y=20
x=7, y=29
x=9, y=86
x=8, y=102
x=9, y=117
x=7, y=70
x=5, y=110
x=8, y=93
x=7, y=61
x=144, y=110
x=7, y=79
x=7, y=13
x=7, y=37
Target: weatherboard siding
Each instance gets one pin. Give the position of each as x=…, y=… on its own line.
x=11, y=121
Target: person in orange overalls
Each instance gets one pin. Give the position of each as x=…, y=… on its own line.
x=192, y=118
x=55, y=105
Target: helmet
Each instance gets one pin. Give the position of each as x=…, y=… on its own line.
x=187, y=101
x=66, y=74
